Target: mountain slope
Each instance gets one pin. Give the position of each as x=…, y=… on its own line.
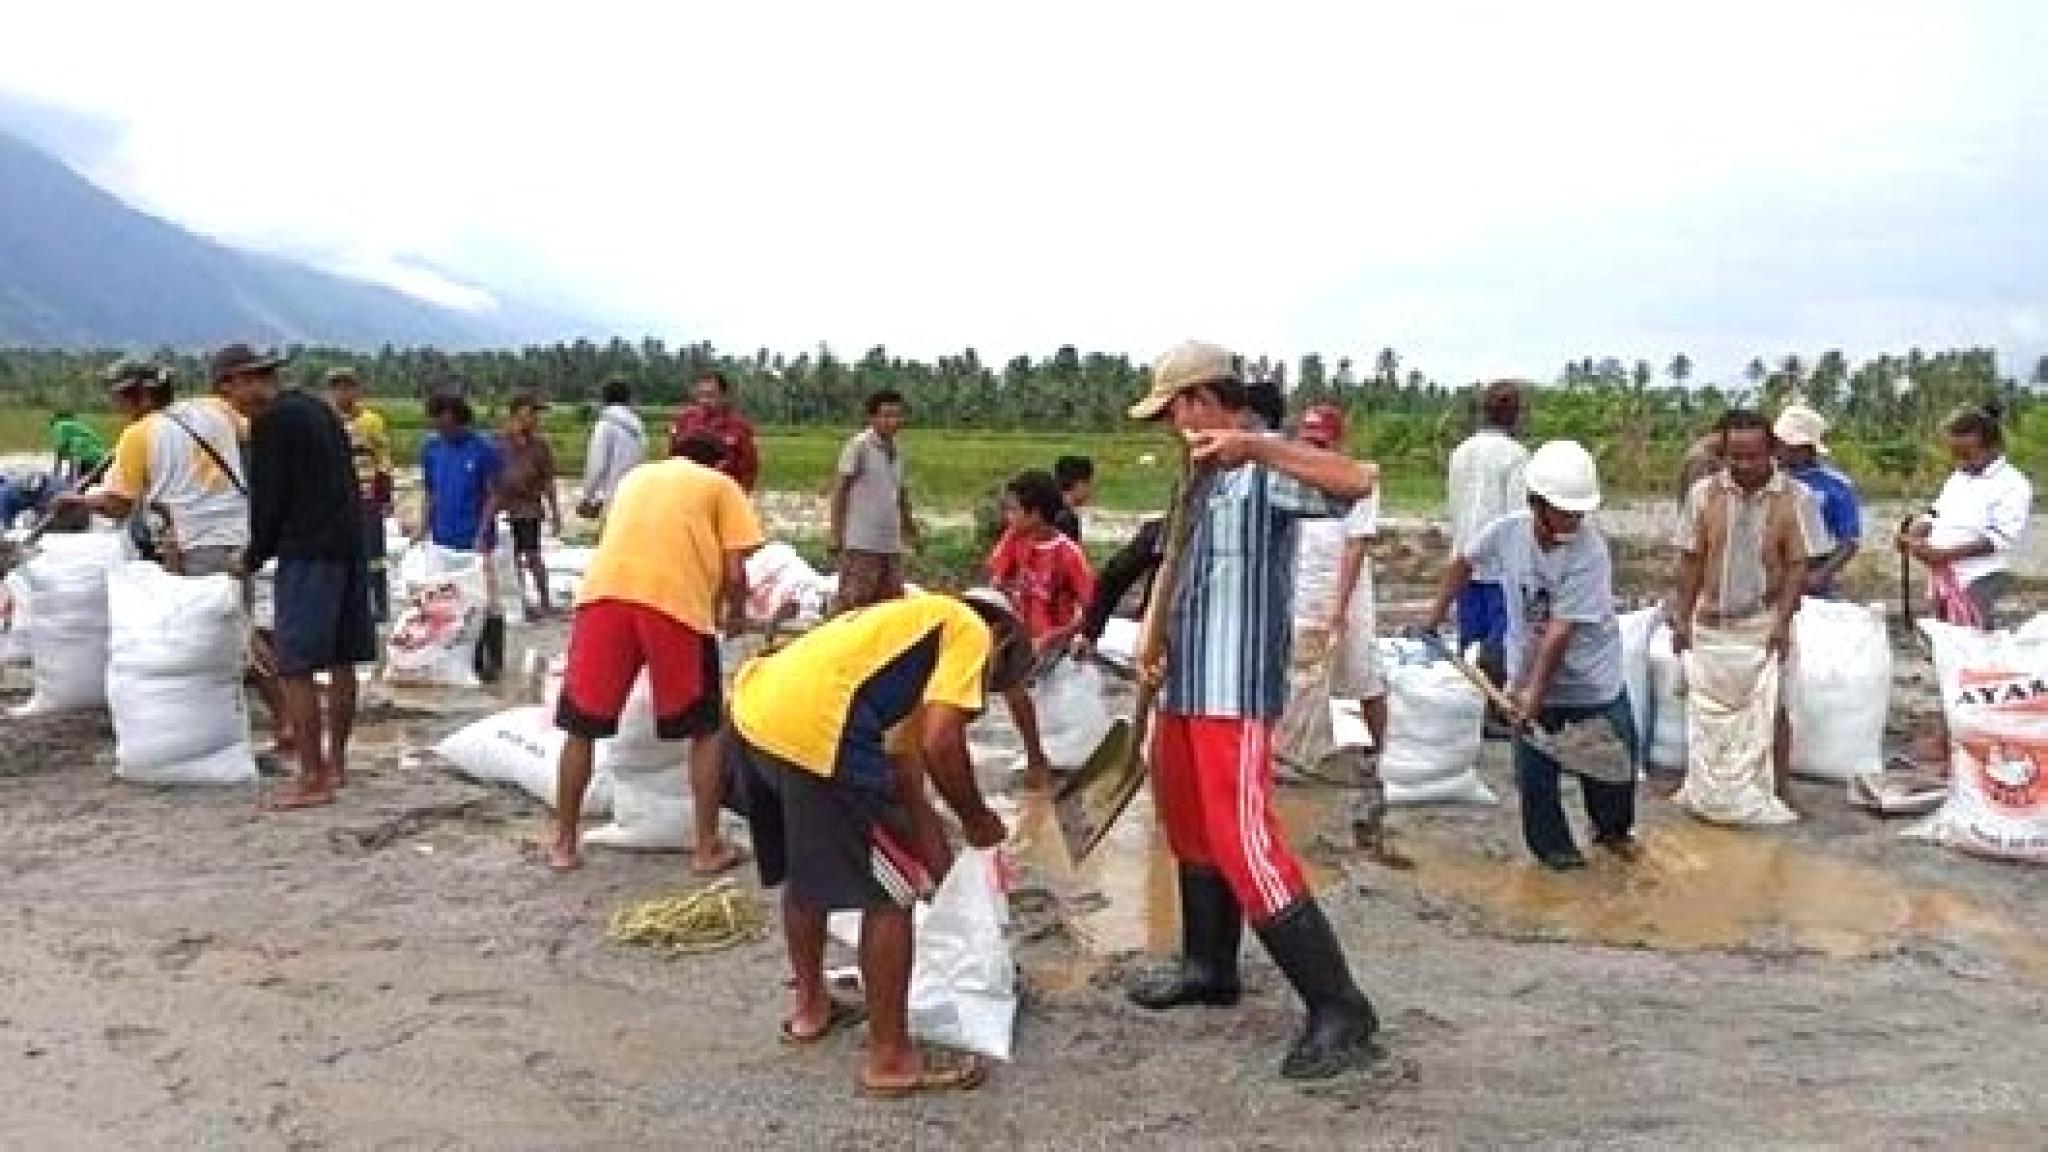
x=80, y=268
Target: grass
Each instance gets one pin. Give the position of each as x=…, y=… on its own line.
x=948, y=467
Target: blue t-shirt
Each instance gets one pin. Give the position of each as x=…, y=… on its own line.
x=1838, y=508
x=458, y=474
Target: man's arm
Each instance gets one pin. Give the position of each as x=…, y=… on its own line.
x=1349, y=567
x=597, y=460
x=549, y=487
x=942, y=737
x=1120, y=572
x=270, y=451
x=1331, y=473
x=1791, y=590
x=842, y=490
x=903, y=511
x=1528, y=695
x=1691, y=567
x=746, y=466
x=1457, y=574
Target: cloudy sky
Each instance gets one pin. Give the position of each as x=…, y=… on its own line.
x=1486, y=187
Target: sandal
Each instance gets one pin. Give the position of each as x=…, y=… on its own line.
x=942, y=1072
x=840, y=1016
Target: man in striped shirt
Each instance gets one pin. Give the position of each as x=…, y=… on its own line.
x=1224, y=685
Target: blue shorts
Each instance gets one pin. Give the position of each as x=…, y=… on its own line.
x=323, y=616
x=1482, y=616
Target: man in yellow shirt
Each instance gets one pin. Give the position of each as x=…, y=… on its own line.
x=833, y=740
x=675, y=544
x=369, y=444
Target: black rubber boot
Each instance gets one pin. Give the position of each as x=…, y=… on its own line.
x=1211, y=928
x=1341, y=1021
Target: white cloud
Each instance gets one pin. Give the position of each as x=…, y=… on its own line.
x=1117, y=175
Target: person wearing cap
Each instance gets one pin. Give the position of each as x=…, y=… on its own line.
x=833, y=739
x=1746, y=536
x=1335, y=621
x=1563, y=651
x=1801, y=450
x=370, y=448
x=304, y=513
x=1484, y=483
x=668, y=575
x=714, y=414
x=1224, y=684
x=525, y=490
x=458, y=475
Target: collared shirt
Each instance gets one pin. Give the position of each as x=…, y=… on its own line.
x=1573, y=582
x=1990, y=505
x=1750, y=543
x=1232, y=617
x=874, y=517
x=1485, y=484
x=1840, y=512
x=526, y=475
x=733, y=431
x=303, y=498
x=458, y=474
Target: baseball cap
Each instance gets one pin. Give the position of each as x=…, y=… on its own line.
x=1012, y=659
x=1182, y=367
x=238, y=358
x=1801, y=427
x=129, y=372
x=342, y=376
x=1324, y=421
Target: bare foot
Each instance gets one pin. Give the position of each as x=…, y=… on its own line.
x=301, y=796
x=722, y=857
x=564, y=857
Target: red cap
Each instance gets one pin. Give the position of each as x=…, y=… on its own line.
x=1325, y=422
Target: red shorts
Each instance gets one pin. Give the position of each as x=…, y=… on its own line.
x=609, y=643
x=1212, y=780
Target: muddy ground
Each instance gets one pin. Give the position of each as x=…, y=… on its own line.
x=399, y=971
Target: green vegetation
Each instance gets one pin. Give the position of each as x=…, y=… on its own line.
x=974, y=424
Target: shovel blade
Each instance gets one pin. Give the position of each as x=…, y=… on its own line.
x=1090, y=801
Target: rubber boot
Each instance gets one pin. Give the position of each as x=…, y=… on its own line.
x=1211, y=928
x=1341, y=1021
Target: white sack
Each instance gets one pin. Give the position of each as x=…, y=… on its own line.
x=178, y=647
x=1656, y=688
x=1732, y=691
x=1072, y=717
x=523, y=748
x=651, y=806
x=1994, y=690
x=778, y=577
x=1118, y=645
x=443, y=600
x=566, y=566
x=1841, y=690
x=963, y=981
x=67, y=581
x=14, y=620
x=1436, y=727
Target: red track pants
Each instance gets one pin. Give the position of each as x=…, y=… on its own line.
x=1212, y=781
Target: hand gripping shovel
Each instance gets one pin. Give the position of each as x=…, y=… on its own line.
x=1089, y=801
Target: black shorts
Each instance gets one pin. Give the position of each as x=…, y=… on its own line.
x=526, y=536
x=838, y=845
x=322, y=616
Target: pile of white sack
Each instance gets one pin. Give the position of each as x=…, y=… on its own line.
x=1994, y=691
x=440, y=600
x=1838, y=699
x=66, y=584
x=178, y=646
x=1436, y=728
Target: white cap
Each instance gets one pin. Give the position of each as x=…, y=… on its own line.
x=1801, y=427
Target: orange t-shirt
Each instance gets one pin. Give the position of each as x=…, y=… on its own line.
x=666, y=537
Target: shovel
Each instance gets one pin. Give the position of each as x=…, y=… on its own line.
x=1090, y=800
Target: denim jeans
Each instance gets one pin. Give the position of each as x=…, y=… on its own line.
x=1611, y=807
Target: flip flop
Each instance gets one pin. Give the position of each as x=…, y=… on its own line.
x=841, y=1015
x=953, y=1072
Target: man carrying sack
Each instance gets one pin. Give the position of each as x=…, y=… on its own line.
x=1225, y=683
x=1745, y=537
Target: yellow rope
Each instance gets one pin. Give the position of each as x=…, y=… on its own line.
x=707, y=919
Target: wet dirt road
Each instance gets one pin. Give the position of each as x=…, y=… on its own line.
x=177, y=970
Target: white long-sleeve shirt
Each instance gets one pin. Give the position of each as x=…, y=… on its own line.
x=1485, y=484
x=1990, y=505
x=618, y=442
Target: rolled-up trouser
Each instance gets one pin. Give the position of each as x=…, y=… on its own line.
x=1212, y=780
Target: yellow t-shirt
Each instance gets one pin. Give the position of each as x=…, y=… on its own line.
x=665, y=540
x=157, y=462
x=835, y=701
x=369, y=443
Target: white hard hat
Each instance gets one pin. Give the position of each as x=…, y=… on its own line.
x=1563, y=473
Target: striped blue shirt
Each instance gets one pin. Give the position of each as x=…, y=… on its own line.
x=1232, y=623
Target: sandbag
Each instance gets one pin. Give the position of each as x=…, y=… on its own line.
x=1072, y=715
x=523, y=748
x=1656, y=688
x=1994, y=691
x=1841, y=690
x=963, y=980
x=1118, y=645
x=1732, y=707
x=68, y=633
x=443, y=600
x=14, y=620
x=566, y=565
x=178, y=647
x=777, y=578
x=1436, y=724
x=652, y=809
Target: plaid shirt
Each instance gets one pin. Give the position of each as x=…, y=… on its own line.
x=1232, y=621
